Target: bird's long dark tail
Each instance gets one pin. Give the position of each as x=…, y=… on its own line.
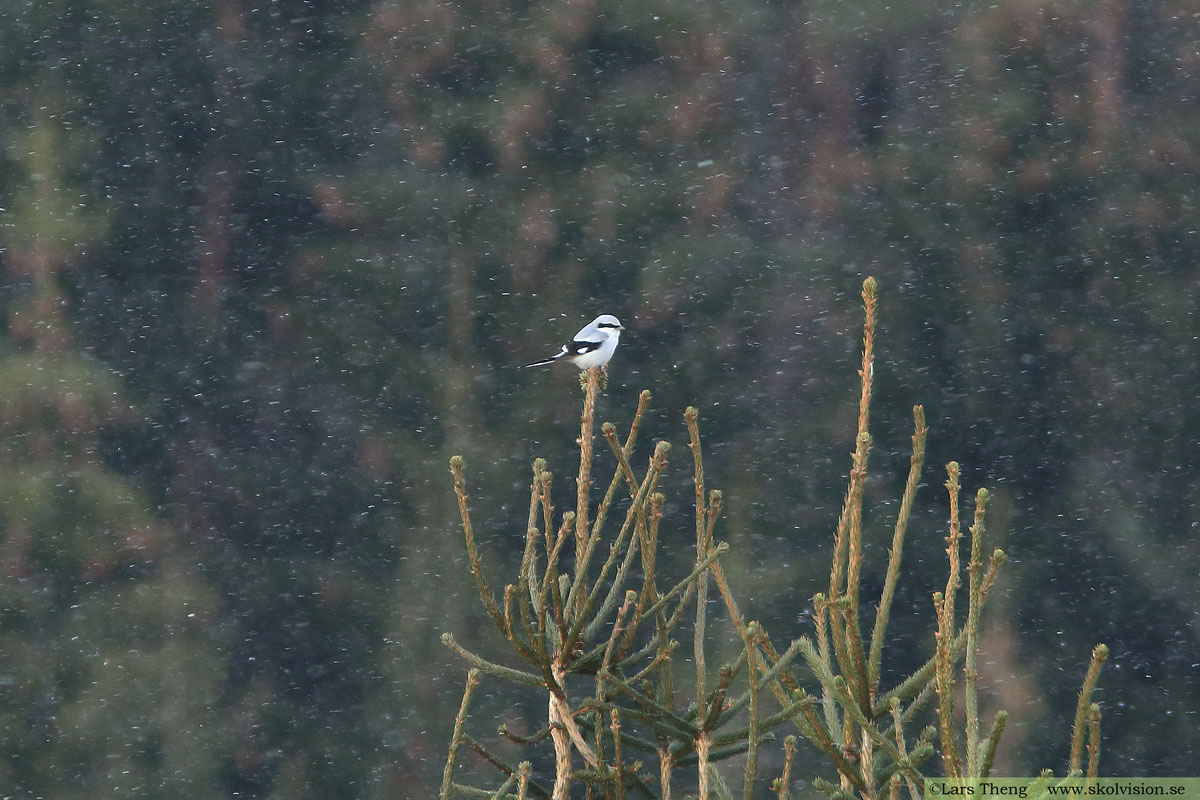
x=541, y=363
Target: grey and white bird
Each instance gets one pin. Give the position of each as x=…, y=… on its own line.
x=593, y=346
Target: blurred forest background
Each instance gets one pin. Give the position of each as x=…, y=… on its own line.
x=266, y=266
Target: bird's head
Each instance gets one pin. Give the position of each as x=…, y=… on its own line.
x=607, y=322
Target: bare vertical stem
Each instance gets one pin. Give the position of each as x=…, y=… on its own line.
x=916, y=461
x=559, y=736
x=665, y=765
x=702, y=530
x=945, y=633
x=702, y=745
x=618, y=765
x=866, y=757
x=974, y=607
x=752, y=671
x=456, y=738
x=583, y=485
x=862, y=449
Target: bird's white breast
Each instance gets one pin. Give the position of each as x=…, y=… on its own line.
x=601, y=355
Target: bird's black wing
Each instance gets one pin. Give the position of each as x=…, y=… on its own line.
x=576, y=347
x=580, y=347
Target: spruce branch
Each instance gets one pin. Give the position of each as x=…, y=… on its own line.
x=502, y=791
x=944, y=605
x=702, y=547
x=753, y=668
x=709, y=709
x=771, y=674
x=618, y=762
x=902, y=748
x=635, y=522
x=456, y=736
x=610, y=621
x=547, y=480
x=534, y=738
x=828, y=706
x=501, y=765
x=855, y=666
x=695, y=576
x=665, y=721
x=922, y=681
x=1078, y=731
x=521, y=638
x=991, y=744
x=485, y=594
x=1093, y=744
x=781, y=784
x=846, y=568
x=609, y=431
x=877, y=738
x=618, y=630
x=525, y=770
x=500, y=671
x=583, y=484
x=832, y=791
x=661, y=657
x=974, y=608
x=892, y=577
